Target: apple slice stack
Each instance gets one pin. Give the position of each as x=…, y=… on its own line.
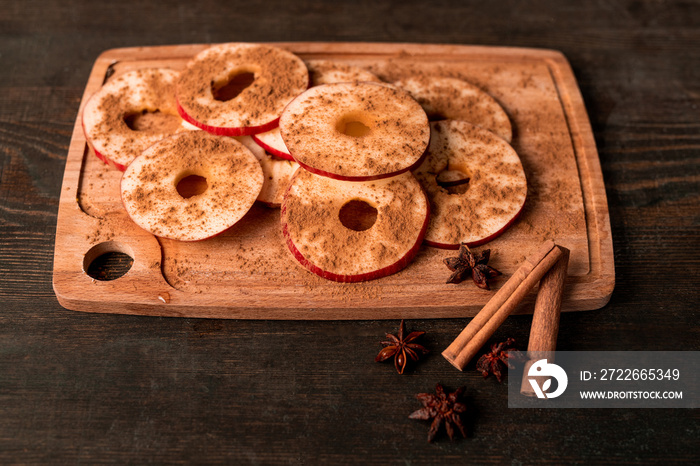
x=320, y=72
x=195, y=184
x=473, y=177
x=354, y=211
x=362, y=177
x=277, y=163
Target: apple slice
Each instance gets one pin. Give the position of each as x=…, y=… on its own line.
x=254, y=148
x=354, y=231
x=271, y=141
x=329, y=72
x=454, y=99
x=239, y=89
x=191, y=186
x=131, y=112
x=320, y=72
x=476, y=211
x=355, y=131
x=277, y=173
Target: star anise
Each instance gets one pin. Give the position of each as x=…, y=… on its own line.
x=442, y=408
x=499, y=358
x=466, y=263
x=400, y=347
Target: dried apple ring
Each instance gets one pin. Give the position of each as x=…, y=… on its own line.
x=239, y=89
x=354, y=231
x=355, y=131
x=191, y=186
x=454, y=99
x=320, y=72
x=131, y=112
x=477, y=211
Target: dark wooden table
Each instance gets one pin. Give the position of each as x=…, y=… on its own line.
x=92, y=388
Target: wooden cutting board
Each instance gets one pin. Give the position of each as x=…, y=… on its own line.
x=248, y=273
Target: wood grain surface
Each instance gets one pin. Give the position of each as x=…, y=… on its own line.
x=97, y=388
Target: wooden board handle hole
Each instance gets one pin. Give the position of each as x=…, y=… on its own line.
x=108, y=261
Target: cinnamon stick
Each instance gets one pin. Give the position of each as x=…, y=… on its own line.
x=501, y=305
x=545, y=318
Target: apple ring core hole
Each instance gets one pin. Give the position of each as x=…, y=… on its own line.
x=357, y=215
x=436, y=116
x=108, y=261
x=231, y=88
x=152, y=121
x=453, y=181
x=353, y=126
x=191, y=185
